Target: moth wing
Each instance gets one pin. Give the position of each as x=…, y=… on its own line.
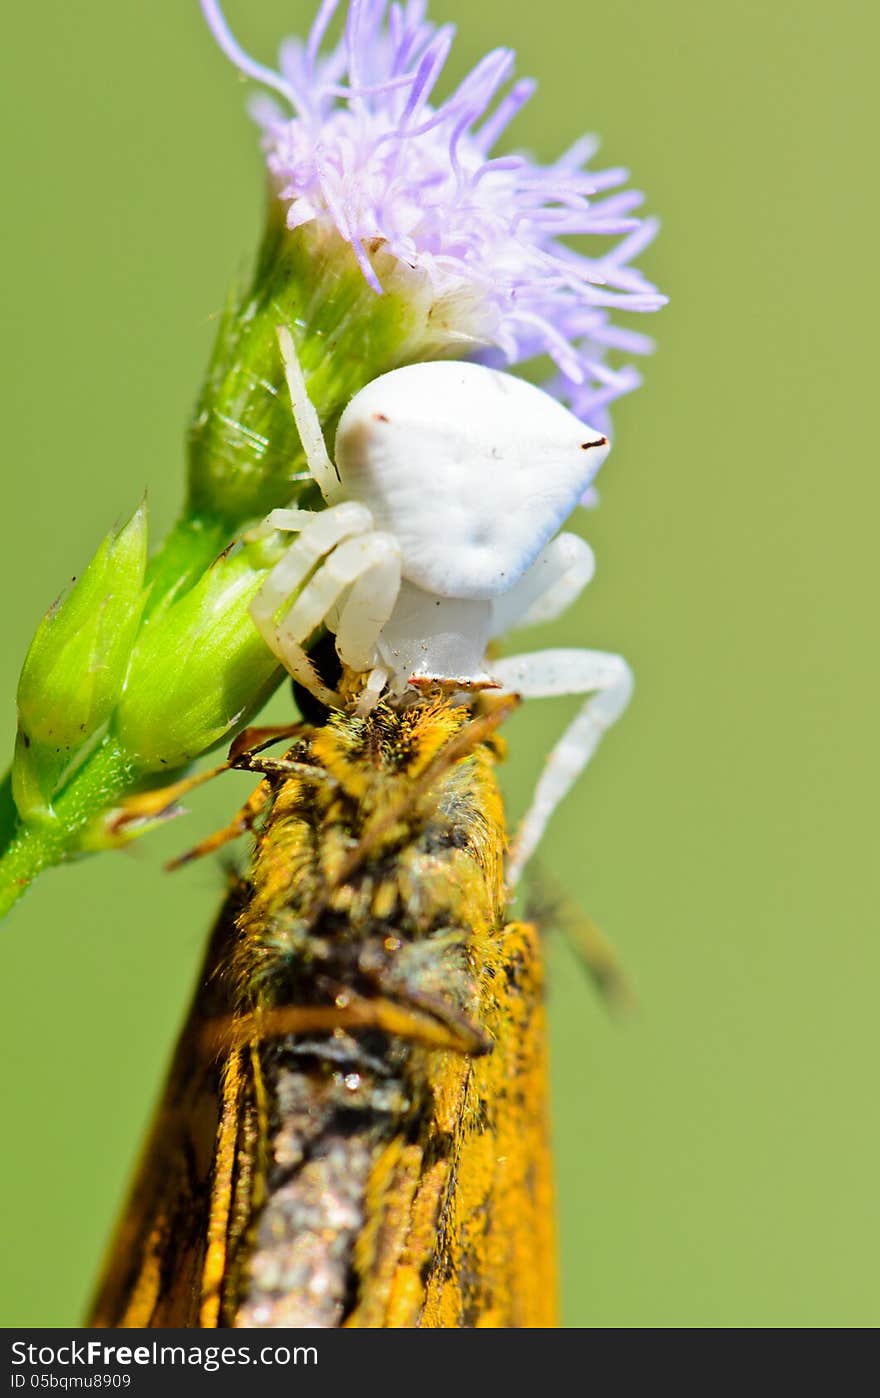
x=460, y=1227
x=154, y=1274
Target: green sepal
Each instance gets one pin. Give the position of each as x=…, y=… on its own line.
x=245, y=456
x=200, y=668
x=76, y=667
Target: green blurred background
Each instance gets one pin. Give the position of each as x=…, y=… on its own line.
x=717, y=1155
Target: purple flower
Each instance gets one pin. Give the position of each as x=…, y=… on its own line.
x=358, y=145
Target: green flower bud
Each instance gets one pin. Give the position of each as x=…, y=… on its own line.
x=245, y=456
x=76, y=667
x=200, y=667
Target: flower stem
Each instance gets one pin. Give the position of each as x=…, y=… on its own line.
x=29, y=849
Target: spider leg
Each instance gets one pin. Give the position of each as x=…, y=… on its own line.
x=367, y=568
x=372, y=691
x=291, y=575
x=308, y=424
x=291, y=520
x=558, y=575
x=316, y=539
x=370, y=602
x=608, y=681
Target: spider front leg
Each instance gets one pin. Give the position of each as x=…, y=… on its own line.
x=338, y=565
x=308, y=424
x=542, y=675
x=353, y=592
x=558, y=575
x=318, y=535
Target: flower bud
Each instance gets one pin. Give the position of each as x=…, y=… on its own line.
x=200, y=668
x=245, y=456
x=395, y=236
x=76, y=667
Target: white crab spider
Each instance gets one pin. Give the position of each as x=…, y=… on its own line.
x=449, y=484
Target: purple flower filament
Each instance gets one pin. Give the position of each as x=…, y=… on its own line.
x=357, y=144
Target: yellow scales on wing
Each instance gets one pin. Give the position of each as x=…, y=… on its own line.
x=354, y=1129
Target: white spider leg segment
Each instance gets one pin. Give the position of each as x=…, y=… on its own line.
x=558, y=575
x=372, y=691
x=291, y=521
x=542, y=675
x=321, y=533
x=375, y=586
x=368, y=568
x=302, y=672
x=368, y=565
x=308, y=424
